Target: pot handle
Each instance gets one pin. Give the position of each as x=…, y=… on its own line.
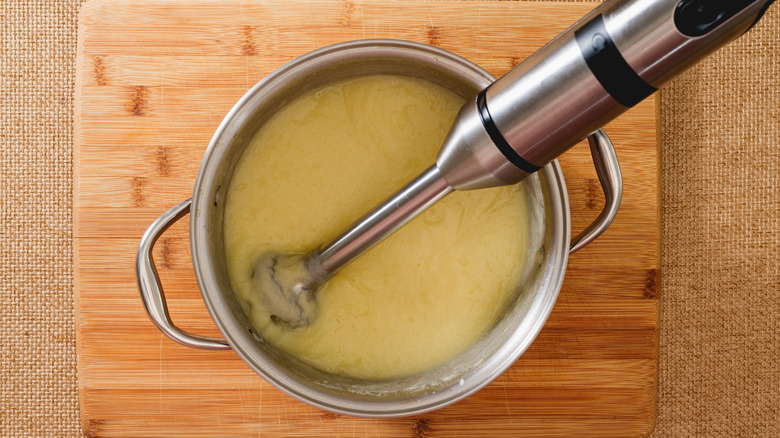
x=151, y=288
x=608, y=171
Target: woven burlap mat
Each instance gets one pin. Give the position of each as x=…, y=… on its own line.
x=720, y=302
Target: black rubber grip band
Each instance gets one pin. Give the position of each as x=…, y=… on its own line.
x=498, y=138
x=609, y=66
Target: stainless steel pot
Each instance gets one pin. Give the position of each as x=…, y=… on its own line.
x=512, y=333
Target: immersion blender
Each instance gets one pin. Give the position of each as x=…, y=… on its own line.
x=606, y=63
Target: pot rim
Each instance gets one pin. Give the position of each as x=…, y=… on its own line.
x=284, y=380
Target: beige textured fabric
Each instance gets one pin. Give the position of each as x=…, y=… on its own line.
x=720, y=320
x=37, y=337
x=720, y=308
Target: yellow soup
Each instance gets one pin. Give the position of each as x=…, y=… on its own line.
x=420, y=297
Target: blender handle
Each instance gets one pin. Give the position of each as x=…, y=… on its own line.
x=151, y=288
x=609, y=61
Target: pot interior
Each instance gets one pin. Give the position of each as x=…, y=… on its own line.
x=480, y=364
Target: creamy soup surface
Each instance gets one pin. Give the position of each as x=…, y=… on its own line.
x=418, y=298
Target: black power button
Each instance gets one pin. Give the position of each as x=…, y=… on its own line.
x=698, y=17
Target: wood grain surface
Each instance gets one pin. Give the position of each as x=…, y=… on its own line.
x=155, y=79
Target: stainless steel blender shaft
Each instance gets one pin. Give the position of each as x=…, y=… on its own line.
x=399, y=209
x=604, y=64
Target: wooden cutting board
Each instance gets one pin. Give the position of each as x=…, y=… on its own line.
x=155, y=79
